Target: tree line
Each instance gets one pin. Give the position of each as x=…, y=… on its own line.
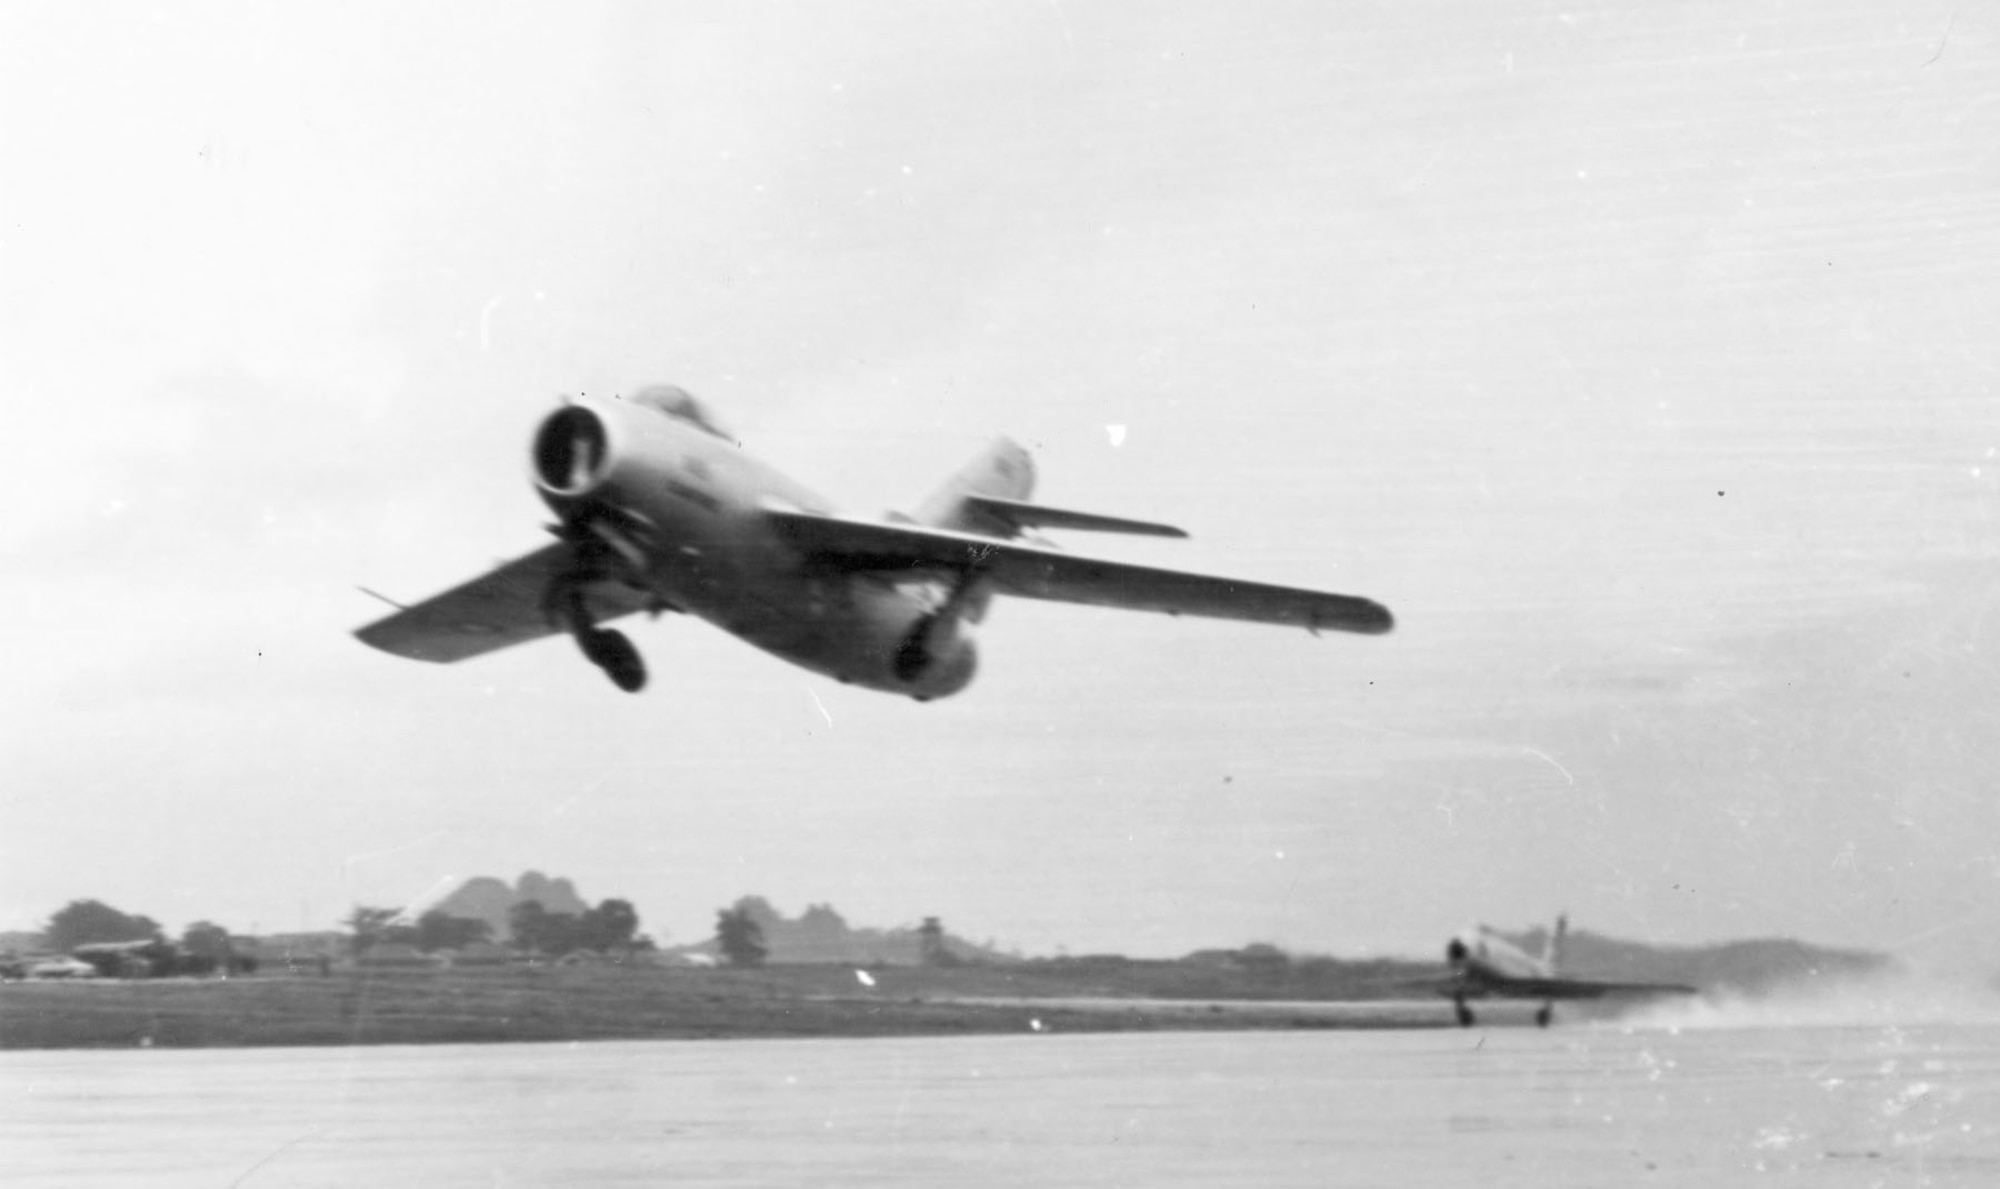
x=612, y=925
x=204, y=946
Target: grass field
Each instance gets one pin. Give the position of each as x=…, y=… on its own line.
x=615, y=1002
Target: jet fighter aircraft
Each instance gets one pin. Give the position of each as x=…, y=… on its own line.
x=1484, y=964
x=659, y=510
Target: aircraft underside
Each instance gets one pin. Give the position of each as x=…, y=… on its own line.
x=1463, y=1010
x=855, y=629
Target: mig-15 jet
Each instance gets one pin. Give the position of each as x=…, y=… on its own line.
x=658, y=509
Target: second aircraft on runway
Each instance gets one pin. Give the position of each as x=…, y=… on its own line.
x=1485, y=965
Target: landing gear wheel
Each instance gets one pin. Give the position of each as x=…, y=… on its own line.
x=612, y=652
x=1463, y=1012
x=1544, y=1014
x=607, y=649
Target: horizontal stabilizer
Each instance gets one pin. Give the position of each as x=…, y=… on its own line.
x=1019, y=515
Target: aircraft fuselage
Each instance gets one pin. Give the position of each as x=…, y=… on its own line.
x=1484, y=963
x=677, y=511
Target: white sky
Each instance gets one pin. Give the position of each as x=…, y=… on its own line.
x=1641, y=361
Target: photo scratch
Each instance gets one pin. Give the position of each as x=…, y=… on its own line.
x=1544, y=756
x=368, y=856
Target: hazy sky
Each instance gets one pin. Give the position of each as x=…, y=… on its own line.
x=1640, y=358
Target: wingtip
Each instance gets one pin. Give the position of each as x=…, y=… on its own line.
x=1371, y=618
x=1350, y=613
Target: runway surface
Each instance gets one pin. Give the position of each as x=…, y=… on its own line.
x=1832, y=1104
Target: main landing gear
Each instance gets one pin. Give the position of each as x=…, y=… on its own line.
x=602, y=547
x=607, y=648
x=610, y=650
x=1543, y=1014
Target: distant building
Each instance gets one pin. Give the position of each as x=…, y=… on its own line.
x=822, y=937
x=1257, y=956
x=323, y=941
x=127, y=959
x=58, y=966
x=293, y=953
x=398, y=954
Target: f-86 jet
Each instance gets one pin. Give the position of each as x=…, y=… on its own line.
x=657, y=509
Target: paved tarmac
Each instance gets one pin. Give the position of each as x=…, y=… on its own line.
x=1821, y=1104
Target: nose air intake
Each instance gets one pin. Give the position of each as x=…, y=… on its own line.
x=571, y=450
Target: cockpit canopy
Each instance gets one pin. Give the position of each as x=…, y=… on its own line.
x=681, y=405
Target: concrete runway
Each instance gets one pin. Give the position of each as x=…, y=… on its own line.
x=1592, y=1105
x=1383, y=1013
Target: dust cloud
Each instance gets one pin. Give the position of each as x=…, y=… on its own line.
x=1898, y=998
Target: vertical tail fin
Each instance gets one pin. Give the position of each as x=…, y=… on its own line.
x=1003, y=469
x=1555, y=954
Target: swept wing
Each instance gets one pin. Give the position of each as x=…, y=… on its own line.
x=496, y=610
x=1033, y=572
